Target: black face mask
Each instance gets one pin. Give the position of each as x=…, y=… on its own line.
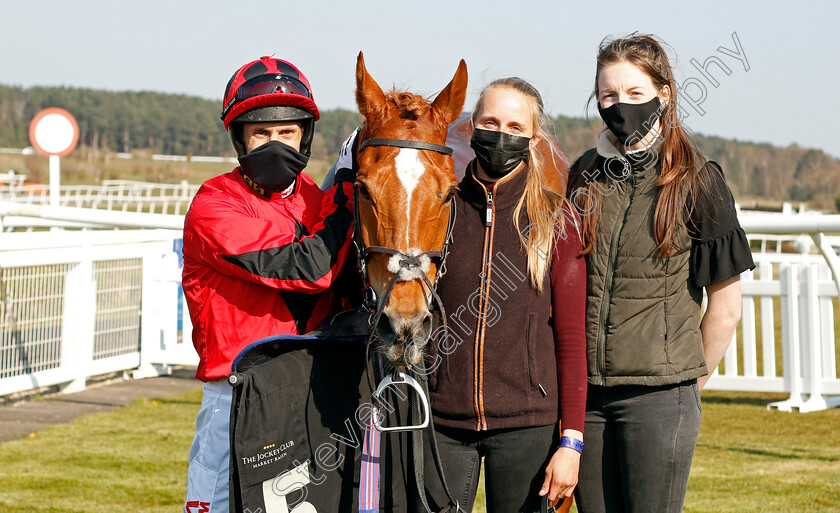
x=499, y=153
x=274, y=166
x=630, y=122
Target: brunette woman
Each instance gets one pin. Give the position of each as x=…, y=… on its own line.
x=659, y=227
x=512, y=362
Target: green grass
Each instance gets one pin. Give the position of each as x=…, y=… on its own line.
x=748, y=459
x=131, y=459
x=752, y=459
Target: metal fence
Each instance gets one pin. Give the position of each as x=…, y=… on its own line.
x=79, y=304
x=31, y=311
x=118, y=307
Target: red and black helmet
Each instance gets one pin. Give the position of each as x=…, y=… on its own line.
x=268, y=89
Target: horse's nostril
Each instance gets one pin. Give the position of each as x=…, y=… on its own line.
x=385, y=330
x=427, y=324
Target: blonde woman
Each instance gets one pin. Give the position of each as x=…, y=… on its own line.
x=510, y=370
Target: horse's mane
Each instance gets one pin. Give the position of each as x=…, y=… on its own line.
x=410, y=105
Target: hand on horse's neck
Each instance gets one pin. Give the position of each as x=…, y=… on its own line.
x=481, y=175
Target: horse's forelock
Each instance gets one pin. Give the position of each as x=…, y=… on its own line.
x=409, y=105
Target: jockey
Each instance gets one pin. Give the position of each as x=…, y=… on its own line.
x=262, y=247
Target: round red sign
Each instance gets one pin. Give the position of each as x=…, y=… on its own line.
x=54, y=131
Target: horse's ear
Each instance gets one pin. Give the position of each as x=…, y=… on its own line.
x=369, y=96
x=450, y=101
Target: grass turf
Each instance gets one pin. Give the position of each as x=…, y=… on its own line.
x=134, y=459
x=131, y=459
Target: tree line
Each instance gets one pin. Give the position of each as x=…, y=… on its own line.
x=754, y=171
x=185, y=125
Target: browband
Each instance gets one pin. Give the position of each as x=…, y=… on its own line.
x=400, y=143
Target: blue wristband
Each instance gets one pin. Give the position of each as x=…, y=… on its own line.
x=571, y=443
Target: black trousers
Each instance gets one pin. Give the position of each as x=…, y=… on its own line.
x=514, y=465
x=638, y=445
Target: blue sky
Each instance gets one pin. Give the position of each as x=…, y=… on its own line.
x=792, y=50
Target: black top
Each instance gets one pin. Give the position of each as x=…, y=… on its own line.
x=719, y=248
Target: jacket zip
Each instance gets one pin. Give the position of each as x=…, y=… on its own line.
x=484, y=293
x=608, y=281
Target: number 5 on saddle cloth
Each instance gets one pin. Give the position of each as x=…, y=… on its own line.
x=300, y=407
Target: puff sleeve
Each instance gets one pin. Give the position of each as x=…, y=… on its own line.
x=719, y=248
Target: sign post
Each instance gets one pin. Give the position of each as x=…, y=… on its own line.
x=54, y=133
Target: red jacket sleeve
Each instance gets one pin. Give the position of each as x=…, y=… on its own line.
x=568, y=307
x=233, y=241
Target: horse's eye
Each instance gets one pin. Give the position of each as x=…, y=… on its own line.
x=450, y=195
x=363, y=191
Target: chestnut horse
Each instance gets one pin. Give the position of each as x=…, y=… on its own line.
x=404, y=193
x=405, y=185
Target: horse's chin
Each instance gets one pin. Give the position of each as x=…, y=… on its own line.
x=404, y=347
x=402, y=354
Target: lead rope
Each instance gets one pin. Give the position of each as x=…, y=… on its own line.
x=419, y=456
x=370, y=481
x=370, y=477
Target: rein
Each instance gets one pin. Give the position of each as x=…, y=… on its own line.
x=421, y=412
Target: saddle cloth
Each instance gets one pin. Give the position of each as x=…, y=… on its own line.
x=300, y=407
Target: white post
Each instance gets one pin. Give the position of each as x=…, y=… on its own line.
x=151, y=328
x=827, y=334
x=768, y=331
x=168, y=304
x=791, y=353
x=69, y=316
x=748, y=342
x=55, y=180
x=79, y=319
x=814, y=366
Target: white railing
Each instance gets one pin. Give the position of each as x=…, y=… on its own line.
x=120, y=195
x=78, y=304
x=786, y=340
x=75, y=304
x=21, y=215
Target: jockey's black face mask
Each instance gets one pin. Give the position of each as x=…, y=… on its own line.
x=274, y=166
x=499, y=153
x=630, y=122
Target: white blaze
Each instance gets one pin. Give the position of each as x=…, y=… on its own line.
x=409, y=170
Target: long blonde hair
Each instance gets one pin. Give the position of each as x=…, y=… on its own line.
x=543, y=207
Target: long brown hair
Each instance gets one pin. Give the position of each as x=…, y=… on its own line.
x=678, y=156
x=543, y=206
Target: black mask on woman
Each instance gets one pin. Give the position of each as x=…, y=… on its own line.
x=499, y=153
x=630, y=122
x=274, y=166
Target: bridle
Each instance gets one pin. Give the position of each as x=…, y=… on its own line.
x=409, y=263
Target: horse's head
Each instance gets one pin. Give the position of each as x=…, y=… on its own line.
x=404, y=204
